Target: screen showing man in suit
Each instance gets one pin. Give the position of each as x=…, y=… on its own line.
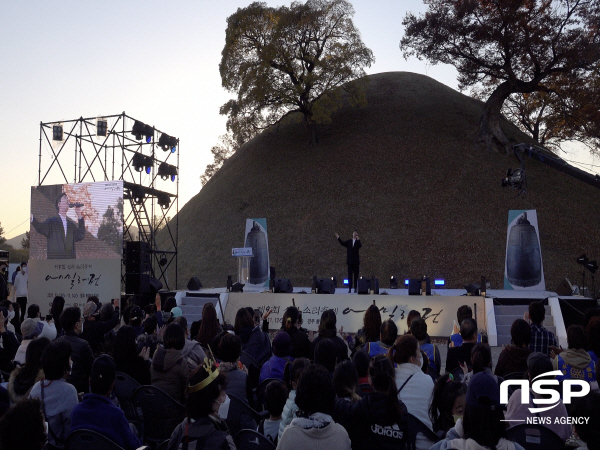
x=76, y=221
x=352, y=258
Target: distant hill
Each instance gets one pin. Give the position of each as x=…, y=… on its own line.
x=404, y=171
x=16, y=241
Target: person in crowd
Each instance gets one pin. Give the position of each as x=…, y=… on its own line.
x=379, y=420
x=4, y=288
x=513, y=358
x=57, y=396
x=412, y=315
x=235, y=373
x=169, y=370
x=14, y=274
x=22, y=427
x=106, y=312
x=587, y=410
x=326, y=355
x=130, y=303
x=149, y=337
x=23, y=378
x=481, y=426
x=202, y=427
x=462, y=313
x=16, y=321
x=541, y=338
x=209, y=327
x=345, y=381
x=537, y=364
x=192, y=352
x=94, y=329
x=291, y=375
x=31, y=330
x=388, y=333
x=593, y=332
x=136, y=316
x=371, y=327
x=48, y=329
x=291, y=325
x=315, y=398
x=282, y=350
x=20, y=286
x=575, y=362
x=461, y=355
x=170, y=303
x=275, y=398
x=9, y=347
x=58, y=304
x=97, y=413
x=481, y=361
x=81, y=353
x=415, y=388
x=447, y=403
x=128, y=359
x=327, y=330
x=8, y=311
x=361, y=362
x=418, y=328
x=255, y=342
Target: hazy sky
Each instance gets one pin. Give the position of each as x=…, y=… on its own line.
x=155, y=60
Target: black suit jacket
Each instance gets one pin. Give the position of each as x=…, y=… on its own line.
x=352, y=256
x=459, y=354
x=60, y=246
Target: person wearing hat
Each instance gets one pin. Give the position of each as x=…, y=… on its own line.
x=202, y=427
x=97, y=412
x=282, y=350
x=30, y=329
x=48, y=327
x=537, y=364
x=481, y=427
x=94, y=329
x=9, y=346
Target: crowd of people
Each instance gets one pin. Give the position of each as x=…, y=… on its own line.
x=376, y=388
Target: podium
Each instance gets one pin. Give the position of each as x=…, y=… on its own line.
x=243, y=256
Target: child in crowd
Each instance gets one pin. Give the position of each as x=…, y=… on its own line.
x=291, y=376
x=275, y=399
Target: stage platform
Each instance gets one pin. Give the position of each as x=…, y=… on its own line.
x=494, y=313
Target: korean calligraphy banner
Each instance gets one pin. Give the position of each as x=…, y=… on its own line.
x=439, y=312
x=76, y=244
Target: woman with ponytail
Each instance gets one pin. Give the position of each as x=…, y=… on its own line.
x=300, y=342
x=447, y=404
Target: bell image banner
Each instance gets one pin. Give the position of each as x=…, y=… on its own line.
x=523, y=268
x=256, y=237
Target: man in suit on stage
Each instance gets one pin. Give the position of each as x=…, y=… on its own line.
x=61, y=233
x=352, y=259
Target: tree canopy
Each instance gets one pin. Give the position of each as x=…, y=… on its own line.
x=290, y=59
x=505, y=47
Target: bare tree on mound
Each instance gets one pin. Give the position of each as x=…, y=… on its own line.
x=221, y=152
x=512, y=46
x=291, y=59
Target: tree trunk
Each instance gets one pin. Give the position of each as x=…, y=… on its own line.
x=490, y=131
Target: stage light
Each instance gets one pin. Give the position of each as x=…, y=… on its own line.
x=163, y=260
x=393, y=282
x=137, y=194
x=101, y=127
x=406, y=282
x=57, y=133
x=346, y=282
x=592, y=266
x=138, y=130
x=334, y=279
x=141, y=162
x=167, y=143
x=439, y=282
x=237, y=287
x=583, y=260
x=164, y=200
x=149, y=133
x=166, y=170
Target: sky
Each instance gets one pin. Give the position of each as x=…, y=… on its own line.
x=155, y=60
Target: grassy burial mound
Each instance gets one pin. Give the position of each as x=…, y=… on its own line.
x=404, y=171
